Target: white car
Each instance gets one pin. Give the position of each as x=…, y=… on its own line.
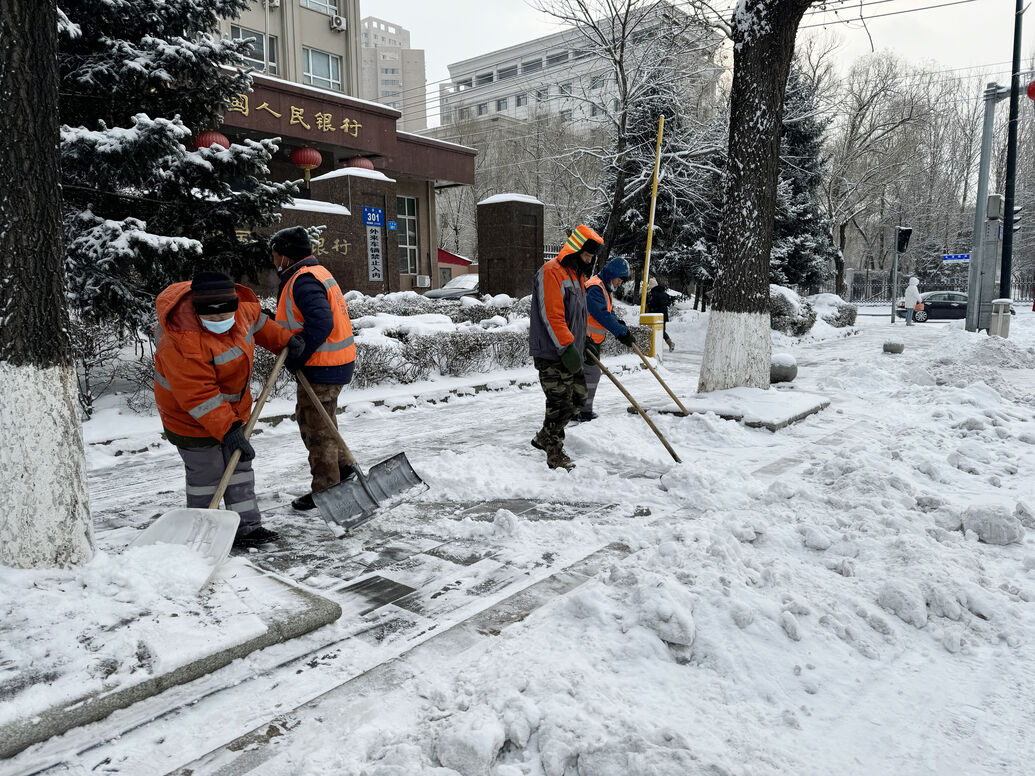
x=461, y=285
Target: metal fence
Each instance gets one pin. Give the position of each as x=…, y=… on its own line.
x=875, y=287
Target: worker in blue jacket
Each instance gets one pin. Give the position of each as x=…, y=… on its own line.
x=601, y=320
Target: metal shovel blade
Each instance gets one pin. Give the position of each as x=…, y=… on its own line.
x=351, y=503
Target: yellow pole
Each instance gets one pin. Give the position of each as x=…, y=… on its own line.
x=650, y=222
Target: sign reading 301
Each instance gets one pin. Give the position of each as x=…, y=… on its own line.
x=373, y=216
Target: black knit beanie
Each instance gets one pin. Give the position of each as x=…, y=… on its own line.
x=292, y=242
x=213, y=293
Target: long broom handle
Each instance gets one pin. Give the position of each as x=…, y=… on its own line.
x=639, y=409
x=236, y=456
x=664, y=385
x=331, y=425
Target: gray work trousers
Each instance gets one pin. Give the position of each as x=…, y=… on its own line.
x=205, y=466
x=592, y=373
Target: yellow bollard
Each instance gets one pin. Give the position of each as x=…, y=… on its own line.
x=656, y=321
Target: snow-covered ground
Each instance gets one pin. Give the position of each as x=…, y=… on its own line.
x=824, y=599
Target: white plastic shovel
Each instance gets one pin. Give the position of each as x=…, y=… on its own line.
x=210, y=532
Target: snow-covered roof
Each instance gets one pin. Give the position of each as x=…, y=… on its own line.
x=355, y=172
x=510, y=198
x=318, y=206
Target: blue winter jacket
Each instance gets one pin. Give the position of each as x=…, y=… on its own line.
x=596, y=300
x=311, y=300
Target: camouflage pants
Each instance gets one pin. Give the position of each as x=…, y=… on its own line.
x=326, y=458
x=565, y=395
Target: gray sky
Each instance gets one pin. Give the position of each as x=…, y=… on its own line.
x=958, y=36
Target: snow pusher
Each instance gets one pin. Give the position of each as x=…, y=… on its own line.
x=682, y=410
x=211, y=531
x=635, y=405
x=356, y=500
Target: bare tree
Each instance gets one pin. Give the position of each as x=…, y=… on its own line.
x=738, y=345
x=44, y=516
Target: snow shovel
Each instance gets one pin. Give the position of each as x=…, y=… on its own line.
x=683, y=410
x=353, y=502
x=211, y=531
x=639, y=409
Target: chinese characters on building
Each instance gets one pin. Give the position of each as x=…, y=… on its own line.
x=316, y=122
x=375, y=258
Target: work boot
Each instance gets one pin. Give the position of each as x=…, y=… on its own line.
x=671, y=345
x=255, y=537
x=539, y=440
x=304, y=503
x=585, y=417
x=556, y=458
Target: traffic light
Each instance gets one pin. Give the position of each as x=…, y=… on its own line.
x=903, y=238
x=1017, y=217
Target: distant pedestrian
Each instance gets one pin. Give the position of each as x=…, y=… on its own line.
x=203, y=367
x=601, y=320
x=658, y=301
x=312, y=304
x=557, y=336
x=912, y=299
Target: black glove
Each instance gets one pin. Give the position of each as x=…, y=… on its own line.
x=296, y=353
x=592, y=347
x=234, y=440
x=572, y=359
x=627, y=339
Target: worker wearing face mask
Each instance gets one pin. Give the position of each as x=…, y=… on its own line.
x=206, y=332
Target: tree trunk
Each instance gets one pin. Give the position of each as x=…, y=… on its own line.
x=44, y=515
x=738, y=346
x=839, y=260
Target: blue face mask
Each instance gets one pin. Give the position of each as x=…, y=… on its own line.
x=219, y=327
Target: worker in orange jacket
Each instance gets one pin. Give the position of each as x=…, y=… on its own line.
x=203, y=367
x=557, y=336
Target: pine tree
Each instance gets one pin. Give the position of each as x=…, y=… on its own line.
x=802, y=252
x=139, y=80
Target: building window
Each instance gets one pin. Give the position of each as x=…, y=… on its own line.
x=557, y=59
x=390, y=82
x=389, y=94
x=565, y=115
x=463, y=84
x=482, y=79
x=407, y=234
x=598, y=81
x=321, y=69
x=324, y=6
x=506, y=72
x=542, y=95
x=595, y=110
x=532, y=66
x=464, y=114
x=521, y=100
x=501, y=104
x=390, y=70
x=257, y=57
x=565, y=88
x=483, y=108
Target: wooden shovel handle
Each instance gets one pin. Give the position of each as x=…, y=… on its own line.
x=664, y=385
x=349, y=457
x=256, y=409
x=639, y=409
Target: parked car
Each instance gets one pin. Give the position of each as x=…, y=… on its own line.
x=461, y=285
x=940, y=305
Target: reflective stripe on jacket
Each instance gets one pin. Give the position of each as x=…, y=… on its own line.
x=340, y=347
x=558, y=315
x=201, y=378
x=597, y=332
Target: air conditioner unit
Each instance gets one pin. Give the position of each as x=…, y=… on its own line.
x=338, y=23
x=273, y=3
x=423, y=281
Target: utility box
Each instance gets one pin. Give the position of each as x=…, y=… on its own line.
x=999, y=324
x=995, y=207
x=510, y=244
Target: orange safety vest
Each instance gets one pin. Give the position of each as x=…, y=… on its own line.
x=340, y=346
x=595, y=330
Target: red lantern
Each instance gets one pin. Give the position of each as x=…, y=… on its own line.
x=361, y=162
x=307, y=158
x=1031, y=90
x=210, y=138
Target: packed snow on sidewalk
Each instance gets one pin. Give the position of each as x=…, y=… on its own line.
x=853, y=594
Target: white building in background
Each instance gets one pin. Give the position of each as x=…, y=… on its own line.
x=556, y=75
x=392, y=73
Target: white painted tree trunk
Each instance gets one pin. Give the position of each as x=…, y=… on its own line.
x=44, y=512
x=737, y=351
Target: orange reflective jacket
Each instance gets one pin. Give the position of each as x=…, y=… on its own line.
x=201, y=378
x=340, y=347
x=596, y=330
